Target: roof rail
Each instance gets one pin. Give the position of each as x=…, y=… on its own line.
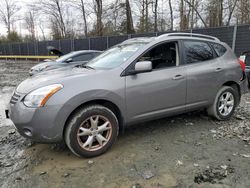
x=189, y=35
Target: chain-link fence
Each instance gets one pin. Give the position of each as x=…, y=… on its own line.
x=238, y=37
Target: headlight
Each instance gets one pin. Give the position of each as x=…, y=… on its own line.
x=39, y=97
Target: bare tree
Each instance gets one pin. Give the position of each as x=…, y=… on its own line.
x=30, y=23
x=231, y=6
x=171, y=15
x=215, y=12
x=41, y=27
x=8, y=10
x=144, y=15
x=195, y=9
x=184, y=17
x=181, y=7
x=155, y=11
x=147, y=2
x=130, y=25
x=81, y=6
x=55, y=10
x=243, y=11
x=98, y=11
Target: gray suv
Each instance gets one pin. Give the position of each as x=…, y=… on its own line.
x=138, y=80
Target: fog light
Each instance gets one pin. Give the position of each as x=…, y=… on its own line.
x=27, y=132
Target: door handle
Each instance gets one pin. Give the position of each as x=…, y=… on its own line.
x=218, y=69
x=178, y=77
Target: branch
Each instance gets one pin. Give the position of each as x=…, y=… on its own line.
x=193, y=7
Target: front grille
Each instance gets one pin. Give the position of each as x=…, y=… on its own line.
x=14, y=98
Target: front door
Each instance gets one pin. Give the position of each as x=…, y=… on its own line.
x=158, y=93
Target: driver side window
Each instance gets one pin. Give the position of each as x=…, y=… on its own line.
x=162, y=56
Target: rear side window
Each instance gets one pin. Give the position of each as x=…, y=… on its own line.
x=219, y=49
x=197, y=51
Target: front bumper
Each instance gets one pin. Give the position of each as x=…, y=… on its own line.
x=39, y=124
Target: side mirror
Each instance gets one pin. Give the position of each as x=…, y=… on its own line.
x=141, y=66
x=69, y=60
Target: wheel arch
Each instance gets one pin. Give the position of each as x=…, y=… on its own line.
x=106, y=103
x=235, y=86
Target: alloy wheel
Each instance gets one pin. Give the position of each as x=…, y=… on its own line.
x=94, y=133
x=226, y=103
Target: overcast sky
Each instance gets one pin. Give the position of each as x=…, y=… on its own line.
x=20, y=26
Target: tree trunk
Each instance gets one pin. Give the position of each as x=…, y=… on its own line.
x=146, y=15
x=192, y=16
x=130, y=25
x=155, y=16
x=99, y=26
x=181, y=15
x=62, y=25
x=171, y=15
x=203, y=21
x=231, y=12
x=84, y=19
x=220, y=14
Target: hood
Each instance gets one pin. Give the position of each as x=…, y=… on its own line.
x=41, y=65
x=56, y=70
x=51, y=77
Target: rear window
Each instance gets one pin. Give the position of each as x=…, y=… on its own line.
x=197, y=51
x=219, y=49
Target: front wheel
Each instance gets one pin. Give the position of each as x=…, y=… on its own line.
x=91, y=131
x=224, y=104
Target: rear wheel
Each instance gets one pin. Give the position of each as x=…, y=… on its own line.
x=224, y=104
x=91, y=131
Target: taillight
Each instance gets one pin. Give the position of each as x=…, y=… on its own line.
x=242, y=65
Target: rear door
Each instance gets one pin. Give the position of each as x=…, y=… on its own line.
x=204, y=72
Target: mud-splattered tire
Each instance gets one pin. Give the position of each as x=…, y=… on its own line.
x=224, y=104
x=91, y=131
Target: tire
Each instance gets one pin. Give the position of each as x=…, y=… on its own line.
x=91, y=131
x=218, y=108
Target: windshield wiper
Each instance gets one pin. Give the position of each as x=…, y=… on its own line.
x=86, y=67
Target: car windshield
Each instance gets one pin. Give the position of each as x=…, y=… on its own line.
x=115, y=56
x=65, y=57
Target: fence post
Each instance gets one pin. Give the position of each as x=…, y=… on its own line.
x=59, y=44
x=73, y=44
x=28, y=49
x=19, y=48
x=234, y=37
x=5, y=53
x=107, y=42
x=10, y=49
x=36, y=48
x=89, y=42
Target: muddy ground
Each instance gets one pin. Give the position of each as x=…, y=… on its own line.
x=190, y=150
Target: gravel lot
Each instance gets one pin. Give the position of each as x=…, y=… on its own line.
x=190, y=150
